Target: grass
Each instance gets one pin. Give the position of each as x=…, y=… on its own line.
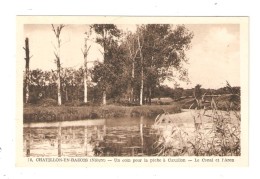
x=33, y=113
x=223, y=102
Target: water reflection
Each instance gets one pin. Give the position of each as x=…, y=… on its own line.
x=101, y=137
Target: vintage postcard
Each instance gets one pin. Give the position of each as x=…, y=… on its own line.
x=118, y=91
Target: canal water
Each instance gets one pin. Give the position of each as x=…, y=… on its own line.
x=99, y=137
x=129, y=136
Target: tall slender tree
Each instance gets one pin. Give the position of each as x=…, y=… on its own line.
x=57, y=32
x=107, y=35
x=85, y=66
x=133, y=48
x=27, y=69
x=142, y=71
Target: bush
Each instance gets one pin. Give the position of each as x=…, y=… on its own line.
x=73, y=103
x=47, y=102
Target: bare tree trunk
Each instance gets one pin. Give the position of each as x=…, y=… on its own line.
x=27, y=61
x=132, y=95
x=85, y=88
x=57, y=55
x=74, y=94
x=85, y=53
x=58, y=71
x=133, y=53
x=59, y=83
x=85, y=74
x=149, y=88
x=132, y=84
x=104, y=97
x=142, y=85
x=142, y=73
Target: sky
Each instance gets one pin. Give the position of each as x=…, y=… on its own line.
x=213, y=59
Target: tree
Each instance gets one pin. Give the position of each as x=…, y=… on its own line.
x=116, y=73
x=27, y=69
x=120, y=72
x=177, y=94
x=163, y=53
x=142, y=70
x=79, y=83
x=107, y=35
x=133, y=49
x=36, y=85
x=198, y=95
x=57, y=32
x=50, y=84
x=234, y=98
x=85, y=66
x=67, y=77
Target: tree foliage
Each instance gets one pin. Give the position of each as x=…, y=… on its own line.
x=132, y=61
x=163, y=49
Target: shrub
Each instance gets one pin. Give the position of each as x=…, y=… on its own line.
x=46, y=102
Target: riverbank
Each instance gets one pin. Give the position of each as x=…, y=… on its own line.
x=70, y=113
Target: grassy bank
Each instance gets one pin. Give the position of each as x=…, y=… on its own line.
x=69, y=113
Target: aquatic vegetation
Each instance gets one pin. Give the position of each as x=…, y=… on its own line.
x=217, y=135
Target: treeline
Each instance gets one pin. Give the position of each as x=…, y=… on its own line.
x=43, y=86
x=134, y=66
x=181, y=93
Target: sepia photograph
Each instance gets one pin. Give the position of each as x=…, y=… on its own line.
x=96, y=88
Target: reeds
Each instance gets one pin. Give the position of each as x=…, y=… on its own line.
x=219, y=136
